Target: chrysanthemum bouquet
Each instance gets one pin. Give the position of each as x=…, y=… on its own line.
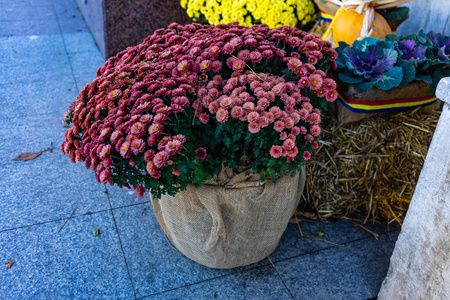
x=274, y=13
x=190, y=101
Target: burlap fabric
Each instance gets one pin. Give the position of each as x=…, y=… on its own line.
x=232, y=221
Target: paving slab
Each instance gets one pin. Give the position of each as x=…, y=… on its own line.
x=85, y=66
x=354, y=271
x=31, y=26
x=21, y=11
x=154, y=265
x=120, y=197
x=44, y=69
x=80, y=42
x=32, y=100
x=30, y=134
x=261, y=283
x=26, y=50
x=71, y=264
x=322, y=236
x=46, y=189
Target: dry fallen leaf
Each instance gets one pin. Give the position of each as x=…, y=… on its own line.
x=9, y=263
x=29, y=155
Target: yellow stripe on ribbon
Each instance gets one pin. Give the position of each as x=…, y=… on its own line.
x=385, y=105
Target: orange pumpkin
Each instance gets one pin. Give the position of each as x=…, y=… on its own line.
x=347, y=25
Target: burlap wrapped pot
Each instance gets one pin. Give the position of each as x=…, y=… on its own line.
x=232, y=221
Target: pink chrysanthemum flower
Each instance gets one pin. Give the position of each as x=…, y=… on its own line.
x=216, y=66
x=288, y=144
x=137, y=146
x=249, y=106
x=115, y=136
x=267, y=54
x=238, y=65
x=303, y=130
x=315, y=82
x=295, y=117
x=295, y=130
x=329, y=84
x=214, y=106
x=294, y=64
x=302, y=72
x=160, y=159
x=315, y=130
x=201, y=153
x=204, y=118
x=314, y=118
x=308, y=106
x=276, y=151
x=263, y=102
x=288, y=122
x=306, y=155
x=293, y=152
x=278, y=126
x=255, y=57
x=315, y=145
x=148, y=155
x=254, y=127
x=137, y=129
x=283, y=136
x=145, y=118
x=228, y=48
x=237, y=112
x=321, y=93
x=309, y=138
x=331, y=95
x=222, y=115
x=312, y=59
x=175, y=172
x=155, y=129
x=152, y=170
x=183, y=65
x=227, y=102
x=205, y=66
x=173, y=147
x=279, y=88
x=303, y=82
x=125, y=150
x=244, y=55
x=304, y=114
x=253, y=117
x=263, y=121
x=180, y=137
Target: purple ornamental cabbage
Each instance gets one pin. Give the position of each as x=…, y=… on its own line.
x=442, y=43
x=411, y=51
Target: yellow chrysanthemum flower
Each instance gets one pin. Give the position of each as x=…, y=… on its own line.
x=274, y=13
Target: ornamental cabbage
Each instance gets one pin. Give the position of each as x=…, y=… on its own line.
x=370, y=63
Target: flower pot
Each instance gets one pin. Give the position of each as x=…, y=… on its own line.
x=233, y=221
x=353, y=106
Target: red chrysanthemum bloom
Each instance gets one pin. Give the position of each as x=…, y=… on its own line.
x=331, y=95
x=276, y=151
x=125, y=150
x=306, y=155
x=201, y=153
x=160, y=159
x=222, y=115
x=254, y=127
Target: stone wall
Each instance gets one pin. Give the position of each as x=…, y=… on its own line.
x=420, y=263
x=427, y=15
x=118, y=24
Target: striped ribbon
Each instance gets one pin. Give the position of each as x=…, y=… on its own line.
x=362, y=106
x=326, y=17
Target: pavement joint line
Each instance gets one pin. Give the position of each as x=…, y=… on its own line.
x=65, y=47
x=53, y=221
x=121, y=246
x=258, y=267
x=129, y=205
